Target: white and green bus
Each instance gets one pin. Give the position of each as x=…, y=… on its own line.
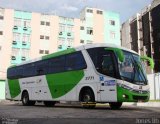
x=90, y=74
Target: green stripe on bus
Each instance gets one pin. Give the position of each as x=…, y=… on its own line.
x=14, y=88
x=64, y=52
x=61, y=83
x=121, y=91
x=12, y=66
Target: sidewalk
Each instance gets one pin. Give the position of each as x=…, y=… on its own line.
x=8, y=102
x=146, y=104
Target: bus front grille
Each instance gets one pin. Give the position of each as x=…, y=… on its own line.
x=140, y=97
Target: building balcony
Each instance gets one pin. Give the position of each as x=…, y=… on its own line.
x=18, y=59
x=15, y=27
x=21, y=44
x=62, y=34
x=23, y=58
x=26, y=45
x=25, y=28
x=66, y=34
x=16, y=44
x=21, y=30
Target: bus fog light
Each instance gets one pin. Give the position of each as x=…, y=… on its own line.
x=124, y=96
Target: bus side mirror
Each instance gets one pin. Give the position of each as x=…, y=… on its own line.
x=150, y=60
x=118, y=52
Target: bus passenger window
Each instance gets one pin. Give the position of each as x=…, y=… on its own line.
x=108, y=65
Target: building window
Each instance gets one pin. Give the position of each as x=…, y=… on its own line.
x=69, y=28
x=89, y=10
x=15, y=52
x=81, y=41
x=81, y=28
x=16, y=36
x=41, y=37
x=99, y=12
x=62, y=19
x=62, y=28
x=70, y=42
x=25, y=54
x=47, y=37
x=26, y=23
x=26, y=37
x=42, y=23
x=112, y=35
x=17, y=22
x=61, y=41
x=112, y=22
x=70, y=20
x=47, y=23
x=1, y=32
x=1, y=17
x=90, y=31
x=41, y=51
x=46, y=51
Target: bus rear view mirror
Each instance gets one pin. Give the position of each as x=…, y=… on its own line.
x=150, y=60
x=118, y=52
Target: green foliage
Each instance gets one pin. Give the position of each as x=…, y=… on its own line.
x=150, y=60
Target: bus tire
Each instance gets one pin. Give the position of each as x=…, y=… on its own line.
x=87, y=99
x=49, y=103
x=25, y=99
x=115, y=105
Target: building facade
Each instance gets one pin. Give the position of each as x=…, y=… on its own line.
x=141, y=33
x=27, y=35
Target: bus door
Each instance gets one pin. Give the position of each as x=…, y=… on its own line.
x=107, y=81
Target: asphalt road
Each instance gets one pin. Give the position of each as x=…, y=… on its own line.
x=14, y=112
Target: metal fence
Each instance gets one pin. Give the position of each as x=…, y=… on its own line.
x=154, y=83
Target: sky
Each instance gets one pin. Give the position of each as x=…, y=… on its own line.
x=72, y=8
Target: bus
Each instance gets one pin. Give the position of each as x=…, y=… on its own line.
x=89, y=74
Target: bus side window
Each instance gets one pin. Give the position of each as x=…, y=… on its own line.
x=75, y=61
x=42, y=67
x=56, y=65
x=11, y=73
x=108, y=65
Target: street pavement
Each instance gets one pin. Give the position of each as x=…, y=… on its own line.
x=14, y=112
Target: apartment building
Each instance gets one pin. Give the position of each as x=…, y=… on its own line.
x=27, y=35
x=141, y=33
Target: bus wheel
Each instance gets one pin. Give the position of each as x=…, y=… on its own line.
x=49, y=103
x=87, y=99
x=25, y=98
x=115, y=105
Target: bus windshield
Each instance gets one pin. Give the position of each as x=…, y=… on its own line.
x=131, y=69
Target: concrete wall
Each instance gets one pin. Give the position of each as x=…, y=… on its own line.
x=112, y=32
x=2, y=90
x=154, y=83
x=125, y=35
